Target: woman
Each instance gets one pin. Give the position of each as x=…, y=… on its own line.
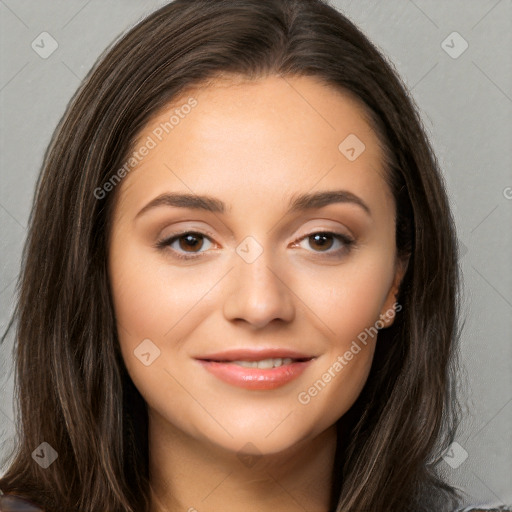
x=259, y=373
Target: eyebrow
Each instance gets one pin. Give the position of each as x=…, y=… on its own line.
x=297, y=203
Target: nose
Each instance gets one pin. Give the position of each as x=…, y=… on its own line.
x=259, y=292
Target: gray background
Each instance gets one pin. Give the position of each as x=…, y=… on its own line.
x=466, y=105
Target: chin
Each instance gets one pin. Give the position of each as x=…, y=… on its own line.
x=263, y=437
x=257, y=444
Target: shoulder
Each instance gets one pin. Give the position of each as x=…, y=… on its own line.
x=12, y=503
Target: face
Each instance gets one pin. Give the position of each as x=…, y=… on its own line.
x=259, y=270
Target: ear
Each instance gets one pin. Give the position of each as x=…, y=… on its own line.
x=391, y=307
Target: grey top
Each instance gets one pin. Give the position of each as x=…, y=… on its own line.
x=17, y=504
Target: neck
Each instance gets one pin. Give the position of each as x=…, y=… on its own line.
x=191, y=475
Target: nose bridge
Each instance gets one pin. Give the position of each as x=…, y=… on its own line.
x=259, y=292
x=258, y=262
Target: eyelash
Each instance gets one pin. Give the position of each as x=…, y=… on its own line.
x=347, y=241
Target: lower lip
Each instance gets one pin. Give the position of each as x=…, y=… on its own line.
x=255, y=378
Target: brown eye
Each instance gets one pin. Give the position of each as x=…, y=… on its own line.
x=190, y=242
x=322, y=241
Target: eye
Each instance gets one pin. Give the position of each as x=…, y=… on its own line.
x=186, y=240
x=321, y=240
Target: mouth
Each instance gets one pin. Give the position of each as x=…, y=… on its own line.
x=264, y=364
x=256, y=370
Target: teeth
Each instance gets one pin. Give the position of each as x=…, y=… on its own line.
x=265, y=363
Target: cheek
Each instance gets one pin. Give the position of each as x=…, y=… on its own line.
x=350, y=298
x=150, y=301
x=350, y=308
x=151, y=311
x=342, y=371
x=336, y=385
x=156, y=301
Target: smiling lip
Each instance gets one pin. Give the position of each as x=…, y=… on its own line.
x=220, y=364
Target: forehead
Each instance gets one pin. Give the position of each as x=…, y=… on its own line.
x=279, y=133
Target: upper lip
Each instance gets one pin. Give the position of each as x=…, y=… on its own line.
x=254, y=354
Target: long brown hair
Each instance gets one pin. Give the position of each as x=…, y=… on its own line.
x=73, y=389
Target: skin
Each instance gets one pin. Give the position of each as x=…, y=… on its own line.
x=252, y=145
